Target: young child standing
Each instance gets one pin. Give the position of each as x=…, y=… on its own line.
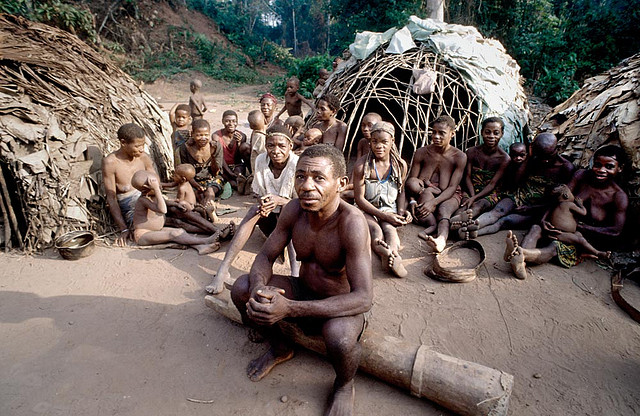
x=148, y=219
x=180, y=116
x=293, y=99
x=323, y=76
x=196, y=100
x=117, y=170
x=258, y=135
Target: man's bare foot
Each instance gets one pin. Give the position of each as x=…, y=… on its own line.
x=342, y=400
x=207, y=248
x=242, y=182
x=262, y=365
x=511, y=242
x=437, y=244
x=518, y=264
x=217, y=282
x=210, y=209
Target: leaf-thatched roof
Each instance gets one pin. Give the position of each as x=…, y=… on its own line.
x=606, y=110
x=61, y=104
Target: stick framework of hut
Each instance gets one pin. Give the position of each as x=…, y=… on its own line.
x=470, y=78
x=383, y=83
x=61, y=104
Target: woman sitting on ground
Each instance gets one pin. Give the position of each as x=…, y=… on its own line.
x=377, y=184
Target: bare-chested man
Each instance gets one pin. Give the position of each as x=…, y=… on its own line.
x=334, y=289
x=117, y=170
x=437, y=165
x=334, y=131
x=606, y=205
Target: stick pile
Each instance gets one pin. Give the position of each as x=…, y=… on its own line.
x=61, y=104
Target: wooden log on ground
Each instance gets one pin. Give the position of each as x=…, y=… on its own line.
x=465, y=387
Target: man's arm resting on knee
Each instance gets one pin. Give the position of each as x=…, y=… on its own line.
x=262, y=268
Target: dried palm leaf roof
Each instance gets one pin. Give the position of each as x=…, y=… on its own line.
x=606, y=110
x=61, y=104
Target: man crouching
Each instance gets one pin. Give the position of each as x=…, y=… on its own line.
x=334, y=290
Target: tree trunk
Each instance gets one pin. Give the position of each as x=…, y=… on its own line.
x=435, y=9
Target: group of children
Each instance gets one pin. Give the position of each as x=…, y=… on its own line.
x=474, y=193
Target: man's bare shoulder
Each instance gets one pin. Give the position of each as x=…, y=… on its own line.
x=351, y=216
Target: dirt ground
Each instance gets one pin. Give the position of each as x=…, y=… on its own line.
x=125, y=331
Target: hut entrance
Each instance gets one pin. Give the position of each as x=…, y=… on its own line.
x=384, y=84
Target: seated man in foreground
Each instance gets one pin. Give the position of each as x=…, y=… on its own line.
x=434, y=182
x=335, y=286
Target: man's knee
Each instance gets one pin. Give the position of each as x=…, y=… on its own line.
x=240, y=291
x=341, y=334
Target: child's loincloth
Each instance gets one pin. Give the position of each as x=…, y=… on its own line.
x=127, y=202
x=568, y=255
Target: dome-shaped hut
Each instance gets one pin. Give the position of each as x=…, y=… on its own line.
x=426, y=69
x=61, y=104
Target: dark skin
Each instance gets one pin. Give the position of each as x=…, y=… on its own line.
x=442, y=164
x=606, y=205
x=232, y=138
x=334, y=131
x=544, y=162
x=382, y=224
x=293, y=100
x=117, y=170
x=331, y=240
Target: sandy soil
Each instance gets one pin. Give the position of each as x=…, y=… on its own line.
x=125, y=331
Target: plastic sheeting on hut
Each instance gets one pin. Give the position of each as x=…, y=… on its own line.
x=426, y=69
x=606, y=110
x=61, y=104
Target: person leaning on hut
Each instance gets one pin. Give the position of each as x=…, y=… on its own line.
x=273, y=182
x=439, y=165
x=603, y=224
x=117, y=170
x=377, y=180
x=335, y=287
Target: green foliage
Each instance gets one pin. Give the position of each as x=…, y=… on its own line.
x=69, y=17
x=558, y=43
x=306, y=69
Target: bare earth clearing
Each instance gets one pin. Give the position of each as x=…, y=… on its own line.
x=126, y=331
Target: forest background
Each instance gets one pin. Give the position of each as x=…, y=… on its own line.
x=558, y=43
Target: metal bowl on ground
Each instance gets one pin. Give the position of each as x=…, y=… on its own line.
x=76, y=244
x=457, y=263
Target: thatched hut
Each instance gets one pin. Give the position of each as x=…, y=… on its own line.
x=428, y=68
x=61, y=104
x=606, y=110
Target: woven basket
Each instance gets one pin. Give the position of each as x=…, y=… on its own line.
x=454, y=263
